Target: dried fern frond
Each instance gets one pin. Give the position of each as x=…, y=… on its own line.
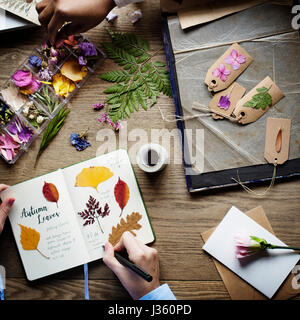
x=141, y=81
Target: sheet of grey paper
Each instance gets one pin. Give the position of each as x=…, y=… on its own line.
x=275, y=51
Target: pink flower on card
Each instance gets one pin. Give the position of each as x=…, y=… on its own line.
x=235, y=59
x=221, y=72
x=245, y=246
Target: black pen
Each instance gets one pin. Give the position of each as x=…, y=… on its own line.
x=145, y=275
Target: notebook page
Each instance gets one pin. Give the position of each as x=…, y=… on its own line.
x=96, y=229
x=53, y=230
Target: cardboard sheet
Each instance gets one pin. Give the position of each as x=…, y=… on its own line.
x=229, y=145
x=237, y=288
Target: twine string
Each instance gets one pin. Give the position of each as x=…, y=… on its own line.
x=252, y=192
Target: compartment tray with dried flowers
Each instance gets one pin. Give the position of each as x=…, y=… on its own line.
x=39, y=88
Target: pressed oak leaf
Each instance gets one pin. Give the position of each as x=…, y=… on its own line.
x=30, y=239
x=92, y=177
x=130, y=224
x=121, y=194
x=50, y=192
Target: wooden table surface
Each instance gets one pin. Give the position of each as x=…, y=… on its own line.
x=178, y=218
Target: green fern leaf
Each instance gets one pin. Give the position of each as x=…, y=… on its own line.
x=140, y=82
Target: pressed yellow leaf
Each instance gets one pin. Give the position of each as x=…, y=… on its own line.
x=92, y=177
x=29, y=238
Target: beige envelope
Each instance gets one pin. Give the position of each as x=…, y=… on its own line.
x=239, y=289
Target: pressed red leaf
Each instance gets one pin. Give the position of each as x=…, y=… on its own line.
x=50, y=192
x=121, y=193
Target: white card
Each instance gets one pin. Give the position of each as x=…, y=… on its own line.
x=265, y=271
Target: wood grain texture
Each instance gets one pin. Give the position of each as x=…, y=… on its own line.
x=178, y=218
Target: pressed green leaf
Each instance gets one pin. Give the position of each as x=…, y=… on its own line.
x=260, y=100
x=159, y=64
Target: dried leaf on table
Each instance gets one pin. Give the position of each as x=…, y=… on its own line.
x=121, y=194
x=30, y=239
x=52, y=130
x=130, y=224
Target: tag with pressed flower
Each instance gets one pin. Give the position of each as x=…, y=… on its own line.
x=223, y=103
x=227, y=68
x=277, y=141
x=258, y=101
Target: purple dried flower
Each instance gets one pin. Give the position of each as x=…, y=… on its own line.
x=44, y=46
x=53, y=52
x=88, y=49
x=20, y=131
x=224, y=102
x=46, y=74
x=82, y=61
x=105, y=118
x=53, y=60
x=98, y=106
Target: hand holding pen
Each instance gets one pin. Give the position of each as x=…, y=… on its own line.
x=144, y=257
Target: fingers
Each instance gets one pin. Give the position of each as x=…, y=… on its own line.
x=40, y=6
x=131, y=244
x=54, y=25
x=4, y=210
x=110, y=260
x=72, y=29
x=46, y=14
x=3, y=187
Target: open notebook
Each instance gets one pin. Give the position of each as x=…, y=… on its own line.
x=62, y=219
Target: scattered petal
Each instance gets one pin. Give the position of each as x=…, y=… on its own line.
x=98, y=106
x=79, y=143
x=135, y=16
x=111, y=16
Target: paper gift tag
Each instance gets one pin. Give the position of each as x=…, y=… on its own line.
x=258, y=101
x=223, y=103
x=277, y=141
x=227, y=68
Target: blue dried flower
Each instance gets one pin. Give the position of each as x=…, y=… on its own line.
x=79, y=143
x=35, y=61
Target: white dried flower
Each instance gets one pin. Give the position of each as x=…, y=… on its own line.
x=26, y=111
x=31, y=116
x=135, y=16
x=40, y=119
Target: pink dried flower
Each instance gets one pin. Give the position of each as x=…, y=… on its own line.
x=98, y=106
x=221, y=72
x=235, y=59
x=105, y=119
x=22, y=78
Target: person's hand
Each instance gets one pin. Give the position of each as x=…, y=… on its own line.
x=84, y=15
x=5, y=207
x=140, y=254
